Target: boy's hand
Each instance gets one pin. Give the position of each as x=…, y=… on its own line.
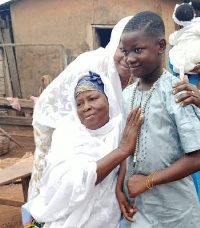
x=127, y=210
x=136, y=185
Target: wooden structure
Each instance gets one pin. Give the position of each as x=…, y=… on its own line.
x=20, y=171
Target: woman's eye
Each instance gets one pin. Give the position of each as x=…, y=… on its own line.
x=125, y=52
x=78, y=105
x=93, y=98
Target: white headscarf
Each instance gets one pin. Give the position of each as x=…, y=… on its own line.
x=53, y=103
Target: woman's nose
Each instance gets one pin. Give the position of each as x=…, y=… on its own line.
x=86, y=106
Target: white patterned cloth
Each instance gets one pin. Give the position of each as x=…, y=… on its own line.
x=53, y=105
x=69, y=196
x=184, y=55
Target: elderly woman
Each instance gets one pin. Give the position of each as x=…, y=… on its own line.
x=82, y=164
x=54, y=103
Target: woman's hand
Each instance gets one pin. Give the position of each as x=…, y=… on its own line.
x=129, y=137
x=196, y=69
x=127, y=209
x=192, y=96
x=136, y=185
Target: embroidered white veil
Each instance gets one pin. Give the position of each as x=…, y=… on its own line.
x=53, y=103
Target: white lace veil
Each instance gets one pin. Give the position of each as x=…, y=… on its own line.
x=53, y=103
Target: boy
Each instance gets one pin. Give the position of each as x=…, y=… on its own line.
x=157, y=179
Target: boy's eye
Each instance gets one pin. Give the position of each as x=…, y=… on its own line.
x=138, y=50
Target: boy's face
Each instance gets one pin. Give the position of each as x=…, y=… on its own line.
x=143, y=54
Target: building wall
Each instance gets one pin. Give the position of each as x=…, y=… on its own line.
x=69, y=23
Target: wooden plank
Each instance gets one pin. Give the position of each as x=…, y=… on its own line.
x=19, y=170
x=10, y=137
x=3, y=112
x=12, y=120
x=8, y=85
x=11, y=202
x=18, y=130
x=12, y=64
x=25, y=185
x=2, y=86
x=24, y=103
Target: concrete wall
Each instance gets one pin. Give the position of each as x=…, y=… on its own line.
x=69, y=23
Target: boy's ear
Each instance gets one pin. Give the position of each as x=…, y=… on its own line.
x=162, y=45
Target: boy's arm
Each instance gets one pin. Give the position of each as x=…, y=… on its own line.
x=185, y=166
x=127, y=209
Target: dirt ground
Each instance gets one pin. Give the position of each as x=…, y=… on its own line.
x=10, y=217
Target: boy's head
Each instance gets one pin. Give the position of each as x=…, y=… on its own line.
x=143, y=44
x=147, y=21
x=183, y=14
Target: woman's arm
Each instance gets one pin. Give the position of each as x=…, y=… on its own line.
x=188, y=164
x=125, y=148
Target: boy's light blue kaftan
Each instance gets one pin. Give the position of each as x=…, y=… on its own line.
x=168, y=132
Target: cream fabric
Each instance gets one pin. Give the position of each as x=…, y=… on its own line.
x=53, y=104
x=184, y=55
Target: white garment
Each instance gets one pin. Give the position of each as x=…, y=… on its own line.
x=69, y=197
x=53, y=103
x=76, y=203
x=184, y=55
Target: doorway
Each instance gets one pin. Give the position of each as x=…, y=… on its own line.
x=101, y=34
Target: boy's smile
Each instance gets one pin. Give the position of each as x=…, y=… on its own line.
x=143, y=55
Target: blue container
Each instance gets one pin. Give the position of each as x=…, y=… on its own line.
x=193, y=79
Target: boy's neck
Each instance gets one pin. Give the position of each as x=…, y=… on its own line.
x=147, y=83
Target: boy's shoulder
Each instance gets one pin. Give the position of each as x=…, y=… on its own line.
x=168, y=79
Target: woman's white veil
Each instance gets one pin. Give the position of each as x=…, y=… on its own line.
x=53, y=103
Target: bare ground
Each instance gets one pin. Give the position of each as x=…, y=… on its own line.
x=10, y=217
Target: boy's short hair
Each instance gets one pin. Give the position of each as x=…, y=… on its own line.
x=184, y=12
x=149, y=22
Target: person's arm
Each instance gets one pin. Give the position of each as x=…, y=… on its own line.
x=125, y=148
x=188, y=164
x=127, y=210
x=192, y=96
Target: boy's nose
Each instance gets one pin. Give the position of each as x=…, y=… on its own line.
x=130, y=59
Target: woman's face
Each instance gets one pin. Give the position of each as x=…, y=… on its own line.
x=92, y=109
x=120, y=64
